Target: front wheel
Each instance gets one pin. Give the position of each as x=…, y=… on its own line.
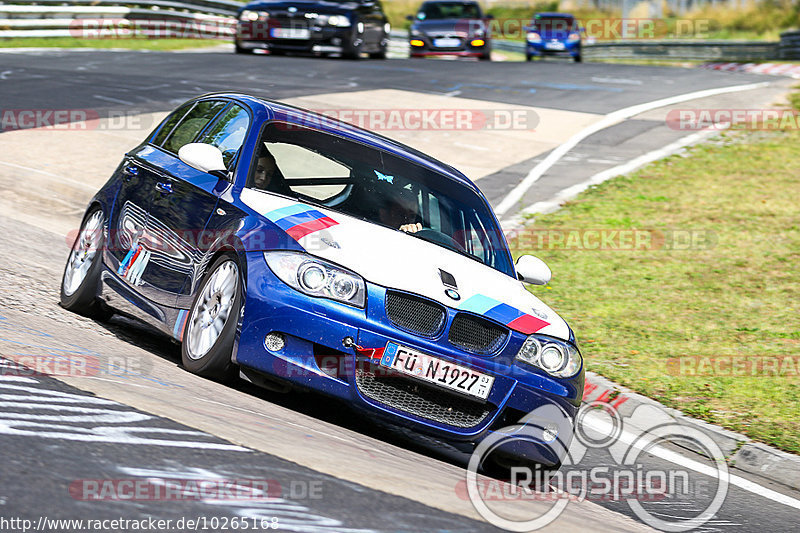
x=82, y=272
x=211, y=325
x=578, y=58
x=380, y=54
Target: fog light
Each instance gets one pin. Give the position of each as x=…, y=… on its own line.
x=478, y=42
x=550, y=432
x=274, y=342
x=417, y=42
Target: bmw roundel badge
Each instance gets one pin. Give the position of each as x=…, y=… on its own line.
x=452, y=293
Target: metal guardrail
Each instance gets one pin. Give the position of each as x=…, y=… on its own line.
x=789, y=47
x=677, y=50
x=98, y=18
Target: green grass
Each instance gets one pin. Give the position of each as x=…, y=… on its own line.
x=633, y=311
x=131, y=44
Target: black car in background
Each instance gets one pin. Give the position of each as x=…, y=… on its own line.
x=344, y=27
x=448, y=27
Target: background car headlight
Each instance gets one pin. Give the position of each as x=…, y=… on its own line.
x=560, y=359
x=534, y=37
x=253, y=15
x=315, y=277
x=574, y=37
x=340, y=21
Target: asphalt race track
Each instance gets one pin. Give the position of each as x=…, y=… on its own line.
x=136, y=415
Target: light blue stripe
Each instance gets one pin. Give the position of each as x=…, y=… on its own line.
x=124, y=264
x=179, y=322
x=478, y=304
x=289, y=210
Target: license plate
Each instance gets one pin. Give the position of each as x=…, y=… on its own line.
x=437, y=371
x=447, y=43
x=291, y=33
x=554, y=46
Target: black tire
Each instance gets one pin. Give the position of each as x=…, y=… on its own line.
x=528, y=57
x=351, y=50
x=486, y=57
x=83, y=299
x=240, y=50
x=216, y=362
x=578, y=59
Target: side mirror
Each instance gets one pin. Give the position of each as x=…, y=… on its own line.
x=205, y=158
x=410, y=17
x=533, y=270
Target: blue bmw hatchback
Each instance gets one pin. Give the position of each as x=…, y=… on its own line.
x=295, y=251
x=553, y=34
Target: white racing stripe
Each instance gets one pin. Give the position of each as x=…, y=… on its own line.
x=538, y=171
x=605, y=427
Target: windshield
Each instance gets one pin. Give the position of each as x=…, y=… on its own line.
x=378, y=187
x=553, y=24
x=449, y=10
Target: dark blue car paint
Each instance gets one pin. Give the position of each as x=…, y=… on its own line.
x=309, y=323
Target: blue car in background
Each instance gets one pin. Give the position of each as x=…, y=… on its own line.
x=553, y=34
x=294, y=251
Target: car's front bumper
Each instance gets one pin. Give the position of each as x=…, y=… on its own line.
x=465, y=49
x=570, y=48
x=314, y=357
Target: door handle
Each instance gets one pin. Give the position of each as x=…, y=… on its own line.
x=164, y=187
x=129, y=172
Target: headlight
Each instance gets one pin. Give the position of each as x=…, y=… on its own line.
x=316, y=277
x=557, y=358
x=387, y=27
x=253, y=15
x=340, y=21
x=574, y=37
x=534, y=37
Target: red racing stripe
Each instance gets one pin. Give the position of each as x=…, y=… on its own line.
x=527, y=324
x=301, y=230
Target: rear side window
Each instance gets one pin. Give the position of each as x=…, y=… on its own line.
x=192, y=124
x=228, y=133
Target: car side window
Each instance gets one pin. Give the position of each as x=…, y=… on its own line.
x=228, y=133
x=192, y=124
x=168, y=125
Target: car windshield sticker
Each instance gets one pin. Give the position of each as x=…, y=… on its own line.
x=384, y=177
x=299, y=220
x=503, y=313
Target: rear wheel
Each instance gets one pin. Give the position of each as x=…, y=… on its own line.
x=82, y=272
x=211, y=324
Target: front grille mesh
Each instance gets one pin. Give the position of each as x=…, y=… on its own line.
x=414, y=314
x=476, y=335
x=406, y=394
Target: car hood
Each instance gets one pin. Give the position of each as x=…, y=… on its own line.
x=304, y=6
x=396, y=260
x=449, y=25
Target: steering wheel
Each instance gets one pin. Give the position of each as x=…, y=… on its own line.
x=438, y=237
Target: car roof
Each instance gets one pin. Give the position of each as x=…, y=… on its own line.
x=333, y=126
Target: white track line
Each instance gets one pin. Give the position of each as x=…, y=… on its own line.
x=607, y=428
x=51, y=175
x=615, y=117
x=563, y=195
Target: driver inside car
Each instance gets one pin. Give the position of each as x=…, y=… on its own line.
x=267, y=175
x=399, y=210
